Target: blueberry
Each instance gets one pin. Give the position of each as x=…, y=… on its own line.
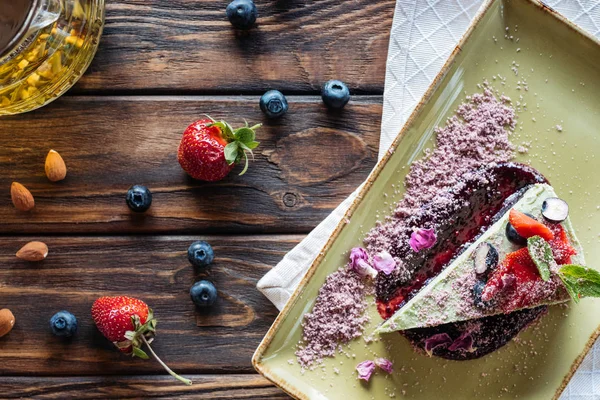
x=513, y=236
x=486, y=259
x=477, y=292
x=273, y=103
x=555, y=209
x=335, y=94
x=200, y=254
x=63, y=324
x=139, y=198
x=203, y=293
x=242, y=13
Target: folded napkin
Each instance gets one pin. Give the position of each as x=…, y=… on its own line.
x=424, y=33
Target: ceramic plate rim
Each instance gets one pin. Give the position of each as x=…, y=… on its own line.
x=265, y=343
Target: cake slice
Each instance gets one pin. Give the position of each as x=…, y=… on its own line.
x=512, y=282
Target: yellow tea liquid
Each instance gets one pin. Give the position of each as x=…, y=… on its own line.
x=49, y=62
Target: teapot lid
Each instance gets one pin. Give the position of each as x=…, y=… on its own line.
x=15, y=18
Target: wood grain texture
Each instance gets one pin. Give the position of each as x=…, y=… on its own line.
x=153, y=268
x=212, y=387
x=308, y=162
x=184, y=46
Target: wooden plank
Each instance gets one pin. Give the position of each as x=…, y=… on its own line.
x=183, y=46
x=215, y=387
x=308, y=162
x=155, y=269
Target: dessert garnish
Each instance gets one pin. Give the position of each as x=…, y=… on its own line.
x=541, y=254
x=385, y=364
x=209, y=149
x=359, y=263
x=7, y=321
x=384, y=262
x=203, y=293
x=33, y=251
x=21, y=197
x=335, y=94
x=486, y=259
x=437, y=340
x=274, y=104
x=129, y=323
x=527, y=226
x=200, y=254
x=365, y=369
x=580, y=281
x=63, y=324
x=138, y=198
x=422, y=239
x=555, y=209
x=56, y=169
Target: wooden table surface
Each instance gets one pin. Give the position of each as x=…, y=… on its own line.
x=161, y=65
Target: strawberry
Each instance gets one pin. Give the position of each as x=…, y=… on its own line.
x=209, y=149
x=528, y=227
x=129, y=323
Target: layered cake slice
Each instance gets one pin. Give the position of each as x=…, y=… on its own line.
x=512, y=266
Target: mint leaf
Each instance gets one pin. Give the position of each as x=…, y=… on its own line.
x=541, y=254
x=245, y=135
x=580, y=281
x=231, y=152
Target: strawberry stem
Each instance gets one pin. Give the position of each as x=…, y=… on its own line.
x=169, y=370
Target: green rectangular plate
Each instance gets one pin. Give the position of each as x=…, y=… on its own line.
x=561, y=66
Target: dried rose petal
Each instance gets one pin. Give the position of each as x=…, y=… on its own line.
x=463, y=342
x=422, y=239
x=359, y=262
x=384, y=262
x=365, y=370
x=385, y=365
x=435, y=341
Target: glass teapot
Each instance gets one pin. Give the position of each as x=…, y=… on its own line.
x=45, y=47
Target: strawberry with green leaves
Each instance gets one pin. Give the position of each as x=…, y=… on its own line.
x=129, y=323
x=210, y=149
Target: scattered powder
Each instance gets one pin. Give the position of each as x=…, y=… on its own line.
x=337, y=317
x=477, y=136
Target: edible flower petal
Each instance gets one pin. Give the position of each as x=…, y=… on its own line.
x=422, y=238
x=365, y=370
x=435, y=341
x=384, y=262
x=385, y=365
x=463, y=342
x=359, y=262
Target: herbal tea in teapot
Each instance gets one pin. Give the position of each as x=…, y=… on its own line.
x=45, y=47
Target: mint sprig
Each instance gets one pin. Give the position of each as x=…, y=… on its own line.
x=580, y=281
x=541, y=254
x=241, y=141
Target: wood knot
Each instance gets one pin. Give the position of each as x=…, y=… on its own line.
x=290, y=199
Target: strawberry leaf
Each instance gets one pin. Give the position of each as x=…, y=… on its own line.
x=245, y=166
x=244, y=135
x=252, y=145
x=580, y=281
x=541, y=254
x=137, y=352
x=231, y=152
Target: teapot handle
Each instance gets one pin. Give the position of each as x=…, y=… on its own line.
x=46, y=13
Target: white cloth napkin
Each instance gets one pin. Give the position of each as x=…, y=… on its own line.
x=424, y=33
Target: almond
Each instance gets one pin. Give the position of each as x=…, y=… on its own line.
x=7, y=321
x=56, y=169
x=21, y=197
x=33, y=251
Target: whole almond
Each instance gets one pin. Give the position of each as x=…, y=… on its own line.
x=7, y=321
x=21, y=197
x=56, y=169
x=33, y=251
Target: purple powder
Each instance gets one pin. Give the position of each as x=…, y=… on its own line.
x=337, y=317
